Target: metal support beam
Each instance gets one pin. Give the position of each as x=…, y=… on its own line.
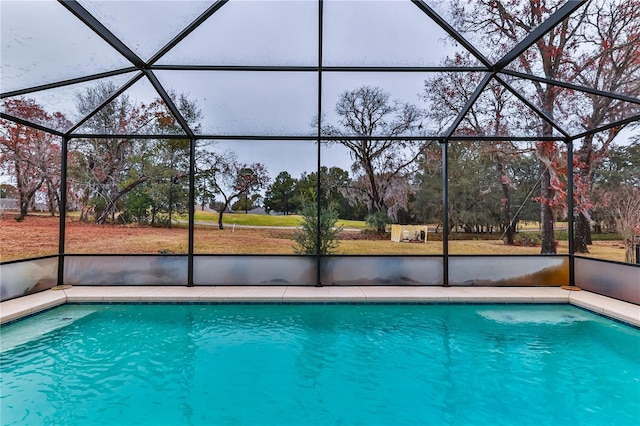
x=571, y=210
x=188, y=30
x=569, y=86
x=315, y=137
x=312, y=68
x=619, y=123
x=105, y=102
x=445, y=213
x=534, y=108
x=192, y=209
x=89, y=20
x=406, y=69
x=169, y=103
x=452, y=32
x=64, y=83
x=133, y=136
x=62, y=208
x=30, y=124
x=547, y=25
x=319, y=145
x=469, y=104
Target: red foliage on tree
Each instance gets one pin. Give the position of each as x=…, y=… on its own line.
x=598, y=47
x=103, y=171
x=610, y=61
x=30, y=156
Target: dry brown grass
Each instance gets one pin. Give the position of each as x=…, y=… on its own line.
x=243, y=241
x=35, y=236
x=38, y=236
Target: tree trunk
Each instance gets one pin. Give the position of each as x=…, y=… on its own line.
x=26, y=199
x=506, y=206
x=170, y=203
x=583, y=235
x=586, y=160
x=23, y=209
x=111, y=205
x=628, y=251
x=54, y=199
x=221, y=212
x=546, y=152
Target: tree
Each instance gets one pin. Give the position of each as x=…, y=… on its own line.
x=502, y=25
x=610, y=48
x=280, y=195
x=623, y=205
x=222, y=174
x=334, y=188
x=32, y=156
x=247, y=203
x=306, y=237
x=168, y=190
x=619, y=167
x=494, y=114
x=8, y=191
x=381, y=167
x=428, y=198
x=474, y=205
x=103, y=172
x=617, y=172
x=170, y=158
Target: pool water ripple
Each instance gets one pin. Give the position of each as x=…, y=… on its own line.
x=314, y=364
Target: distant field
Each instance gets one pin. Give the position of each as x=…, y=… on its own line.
x=264, y=220
x=247, y=219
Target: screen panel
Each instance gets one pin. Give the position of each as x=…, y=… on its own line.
x=162, y=21
x=609, y=279
x=379, y=104
x=253, y=33
x=247, y=102
x=31, y=276
x=30, y=179
x=125, y=270
x=607, y=195
x=250, y=194
x=381, y=270
x=508, y=271
x=494, y=37
x=32, y=55
x=133, y=193
x=496, y=197
x=254, y=270
x=384, y=33
x=387, y=195
x=61, y=107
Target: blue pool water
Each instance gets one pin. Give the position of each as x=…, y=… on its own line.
x=319, y=364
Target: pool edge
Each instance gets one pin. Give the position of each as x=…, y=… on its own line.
x=14, y=309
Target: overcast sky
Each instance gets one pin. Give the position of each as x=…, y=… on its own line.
x=42, y=43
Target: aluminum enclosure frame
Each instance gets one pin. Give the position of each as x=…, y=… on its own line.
x=494, y=71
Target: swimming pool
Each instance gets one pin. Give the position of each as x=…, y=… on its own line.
x=319, y=364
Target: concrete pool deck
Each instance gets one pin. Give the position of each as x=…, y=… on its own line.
x=27, y=305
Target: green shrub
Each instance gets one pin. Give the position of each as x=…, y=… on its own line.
x=306, y=237
x=527, y=239
x=378, y=221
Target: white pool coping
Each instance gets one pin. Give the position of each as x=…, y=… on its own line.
x=27, y=305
